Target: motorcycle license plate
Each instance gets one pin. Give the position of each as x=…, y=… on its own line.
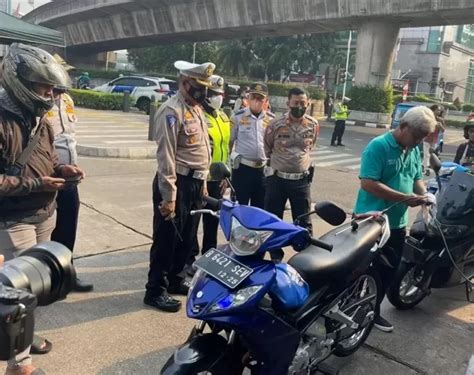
x=223, y=268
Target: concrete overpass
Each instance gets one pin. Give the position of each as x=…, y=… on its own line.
x=98, y=25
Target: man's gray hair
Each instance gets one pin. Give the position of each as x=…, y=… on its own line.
x=421, y=119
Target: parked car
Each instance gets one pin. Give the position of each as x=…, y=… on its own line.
x=231, y=94
x=141, y=89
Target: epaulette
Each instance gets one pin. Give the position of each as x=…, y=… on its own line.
x=270, y=114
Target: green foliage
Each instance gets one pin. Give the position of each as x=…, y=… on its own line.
x=371, y=99
x=97, y=100
x=468, y=107
x=161, y=58
x=259, y=58
x=454, y=123
x=281, y=89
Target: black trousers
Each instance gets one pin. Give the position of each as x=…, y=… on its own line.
x=168, y=254
x=338, y=131
x=391, y=252
x=249, y=185
x=67, y=216
x=210, y=226
x=278, y=191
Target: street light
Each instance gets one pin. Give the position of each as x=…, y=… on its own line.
x=347, y=63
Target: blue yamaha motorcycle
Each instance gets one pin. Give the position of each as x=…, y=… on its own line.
x=280, y=318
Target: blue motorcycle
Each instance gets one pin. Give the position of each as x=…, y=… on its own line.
x=280, y=318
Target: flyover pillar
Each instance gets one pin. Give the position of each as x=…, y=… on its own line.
x=376, y=41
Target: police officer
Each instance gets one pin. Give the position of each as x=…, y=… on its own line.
x=183, y=162
x=248, y=159
x=63, y=120
x=342, y=113
x=219, y=135
x=288, y=143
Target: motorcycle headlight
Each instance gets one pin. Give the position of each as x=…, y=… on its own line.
x=235, y=299
x=244, y=241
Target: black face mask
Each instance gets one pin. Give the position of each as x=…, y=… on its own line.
x=298, y=112
x=197, y=93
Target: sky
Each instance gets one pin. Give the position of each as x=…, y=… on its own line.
x=25, y=7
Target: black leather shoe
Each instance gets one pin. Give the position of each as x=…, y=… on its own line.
x=181, y=288
x=82, y=286
x=164, y=302
x=341, y=144
x=333, y=144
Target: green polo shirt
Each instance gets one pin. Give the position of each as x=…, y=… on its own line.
x=385, y=161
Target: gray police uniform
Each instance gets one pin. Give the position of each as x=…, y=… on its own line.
x=248, y=159
x=288, y=146
x=184, y=157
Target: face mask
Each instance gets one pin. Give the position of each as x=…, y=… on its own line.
x=197, y=93
x=215, y=102
x=298, y=112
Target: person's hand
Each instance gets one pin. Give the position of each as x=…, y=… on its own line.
x=167, y=209
x=416, y=200
x=205, y=193
x=223, y=186
x=2, y=259
x=72, y=171
x=52, y=183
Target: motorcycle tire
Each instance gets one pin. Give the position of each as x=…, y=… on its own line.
x=393, y=292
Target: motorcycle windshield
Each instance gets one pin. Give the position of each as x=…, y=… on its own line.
x=456, y=200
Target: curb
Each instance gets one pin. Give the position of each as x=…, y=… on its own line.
x=117, y=152
x=368, y=124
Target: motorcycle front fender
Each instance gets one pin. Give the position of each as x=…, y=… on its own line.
x=202, y=352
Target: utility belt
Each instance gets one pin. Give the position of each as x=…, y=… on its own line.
x=188, y=172
x=237, y=159
x=309, y=174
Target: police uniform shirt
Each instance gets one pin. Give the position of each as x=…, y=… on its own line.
x=63, y=120
x=182, y=138
x=288, y=145
x=247, y=133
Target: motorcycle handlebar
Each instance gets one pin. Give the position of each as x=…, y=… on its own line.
x=212, y=203
x=322, y=244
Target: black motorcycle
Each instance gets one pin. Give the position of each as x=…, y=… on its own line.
x=439, y=251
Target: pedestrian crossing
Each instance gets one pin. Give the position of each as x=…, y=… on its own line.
x=334, y=157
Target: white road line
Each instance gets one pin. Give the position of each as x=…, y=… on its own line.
x=321, y=152
x=145, y=143
x=111, y=136
x=87, y=131
x=330, y=163
x=333, y=156
x=95, y=122
x=353, y=166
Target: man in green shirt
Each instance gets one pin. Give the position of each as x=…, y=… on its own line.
x=391, y=172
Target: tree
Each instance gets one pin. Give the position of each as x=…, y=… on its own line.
x=235, y=57
x=161, y=58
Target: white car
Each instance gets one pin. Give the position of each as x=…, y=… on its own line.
x=141, y=89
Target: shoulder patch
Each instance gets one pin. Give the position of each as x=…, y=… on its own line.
x=171, y=120
x=240, y=111
x=270, y=114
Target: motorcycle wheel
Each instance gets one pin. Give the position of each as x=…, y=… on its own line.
x=351, y=344
x=403, y=293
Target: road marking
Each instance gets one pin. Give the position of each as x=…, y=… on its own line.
x=331, y=163
x=357, y=166
x=333, y=156
x=111, y=136
x=321, y=152
x=145, y=143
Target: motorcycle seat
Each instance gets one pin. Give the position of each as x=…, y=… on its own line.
x=351, y=249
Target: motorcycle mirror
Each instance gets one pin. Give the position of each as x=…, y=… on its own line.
x=330, y=213
x=435, y=163
x=219, y=171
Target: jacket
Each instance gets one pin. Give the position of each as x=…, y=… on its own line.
x=22, y=198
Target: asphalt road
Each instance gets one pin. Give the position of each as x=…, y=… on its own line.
x=110, y=331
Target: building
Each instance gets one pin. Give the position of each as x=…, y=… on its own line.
x=438, y=61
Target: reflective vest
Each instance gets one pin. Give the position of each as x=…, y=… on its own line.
x=219, y=134
x=342, y=112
